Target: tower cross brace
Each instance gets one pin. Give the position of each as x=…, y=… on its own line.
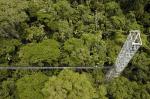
x=130, y=47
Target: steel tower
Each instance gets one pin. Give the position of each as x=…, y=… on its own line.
x=130, y=47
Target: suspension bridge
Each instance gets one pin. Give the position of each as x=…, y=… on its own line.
x=130, y=47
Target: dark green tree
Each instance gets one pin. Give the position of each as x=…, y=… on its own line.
x=8, y=50
x=12, y=13
x=75, y=53
x=7, y=90
x=35, y=34
x=121, y=88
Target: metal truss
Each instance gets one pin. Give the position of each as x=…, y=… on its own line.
x=130, y=47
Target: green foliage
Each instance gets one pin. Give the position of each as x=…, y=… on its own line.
x=145, y=19
x=63, y=30
x=7, y=89
x=113, y=8
x=87, y=51
x=112, y=51
x=121, y=88
x=141, y=60
x=72, y=33
x=30, y=86
x=96, y=47
x=118, y=22
x=68, y=85
x=35, y=33
x=102, y=92
x=97, y=77
x=139, y=70
x=7, y=48
x=145, y=42
x=134, y=26
x=119, y=37
x=75, y=53
x=63, y=8
x=34, y=53
x=11, y=12
x=35, y=6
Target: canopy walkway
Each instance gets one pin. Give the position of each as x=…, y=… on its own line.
x=130, y=47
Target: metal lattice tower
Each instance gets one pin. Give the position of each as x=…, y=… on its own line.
x=130, y=47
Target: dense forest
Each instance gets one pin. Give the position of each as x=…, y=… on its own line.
x=72, y=33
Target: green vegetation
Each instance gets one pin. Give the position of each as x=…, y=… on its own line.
x=38, y=53
x=68, y=85
x=72, y=33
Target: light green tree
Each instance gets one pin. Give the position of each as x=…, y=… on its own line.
x=68, y=85
x=30, y=86
x=38, y=53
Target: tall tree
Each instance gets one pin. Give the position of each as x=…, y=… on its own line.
x=68, y=85
x=46, y=52
x=30, y=86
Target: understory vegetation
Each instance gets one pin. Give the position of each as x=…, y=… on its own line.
x=74, y=33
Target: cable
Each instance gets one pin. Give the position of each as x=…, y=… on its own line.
x=45, y=68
